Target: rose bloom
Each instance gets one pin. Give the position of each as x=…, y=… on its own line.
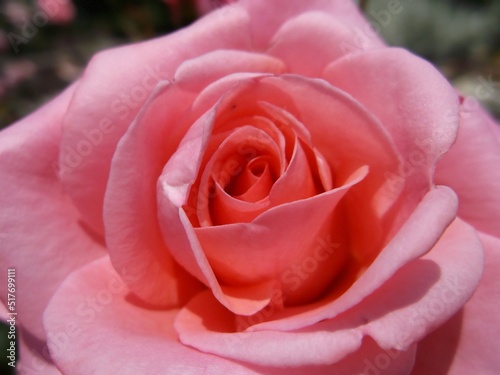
x=271, y=190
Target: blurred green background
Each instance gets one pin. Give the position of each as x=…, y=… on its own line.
x=461, y=37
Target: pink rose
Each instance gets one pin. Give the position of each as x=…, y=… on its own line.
x=269, y=191
x=57, y=11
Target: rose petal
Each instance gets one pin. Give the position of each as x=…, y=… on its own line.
x=458, y=262
x=408, y=95
x=95, y=328
x=99, y=116
x=34, y=356
x=230, y=149
x=374, y=146
x=396, y=316
x=133, y=237
x=467, y=343
x=275, y=240
x=207, y=326
x=268, y=16
x=39, y=226
x=309, y=42
x=474, y=162
x=197, y=73
x=417, y=236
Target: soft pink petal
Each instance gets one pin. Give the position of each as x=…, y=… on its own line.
x=115, y=85
x=468, y=343
x=268, y=16
x=413, y=101
x=346, y=156
x=471, y=169
x=417, y=237
x=277, y=239
x=428, y=292
x=41, y=233
x=207, y=326
x=34, y=357
x=95, y=328
x=178, y=175
x=415, y=300
x=197, y=73
x=309, y=42
x=133, y=237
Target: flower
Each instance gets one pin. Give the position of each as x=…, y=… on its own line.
x=57, y=11
x=271, y=190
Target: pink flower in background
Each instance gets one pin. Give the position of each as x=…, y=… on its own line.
x=58, y=11
x=271, y=190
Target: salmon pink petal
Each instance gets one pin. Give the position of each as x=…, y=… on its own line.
x=408, y=95
x=115, y=86
x=34, y=356
x=474, y=162
x=204, y=324
x=41, y=232
x=268, y=16
x=416, y=237
x=133, y=235
x=467, y=343
x=309, y=42
x=276, y=239
x=197, y=73
x=94, y=324
x=455, y=264
x=434, y=288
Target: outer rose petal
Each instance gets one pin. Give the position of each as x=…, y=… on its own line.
x=148, y=341
x=41, y=234
x=114, y=87
x=408, y=95
x=95, y=339
x=35, y=357
x=266, y=17
x=309, y=42
x=471, y=169
x=468, y=343
x=206, y=325
x=397, y=315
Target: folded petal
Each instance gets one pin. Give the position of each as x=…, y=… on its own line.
x=467, y=343
x=418, y=298
x=309, y=42
x=34, y=356
x=133, y=236
x=115, y=85
x=471, y=169
x=207, y=326
x=413, y=101
x=41, y=233
x=418, y=235
x=268, y=16
x=94, y=327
